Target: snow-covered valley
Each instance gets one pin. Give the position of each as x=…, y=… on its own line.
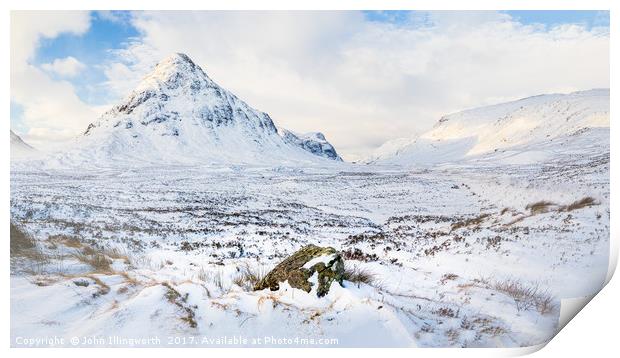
x=438, y=243
x=162, y=216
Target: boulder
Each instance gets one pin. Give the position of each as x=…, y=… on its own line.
x=299, y=268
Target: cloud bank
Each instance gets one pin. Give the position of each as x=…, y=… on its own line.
x=65, y=67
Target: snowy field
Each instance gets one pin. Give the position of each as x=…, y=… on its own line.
x=468, y=235
x=477, y=253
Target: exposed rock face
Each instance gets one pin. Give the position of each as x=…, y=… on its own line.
x=298, y=269
x=313, y=142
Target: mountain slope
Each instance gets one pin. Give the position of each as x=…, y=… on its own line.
x=177, y=114
x=537, y=125
x=19, y=148
x=313, y=142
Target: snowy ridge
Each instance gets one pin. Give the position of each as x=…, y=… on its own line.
x=19, y=148
x=178, y=115
x=519, y=126
x=313, y=142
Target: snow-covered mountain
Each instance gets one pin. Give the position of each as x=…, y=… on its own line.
x=177, y=114
x=527, y=130
x=19, y=148
x=313, y=142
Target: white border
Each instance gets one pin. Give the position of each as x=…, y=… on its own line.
x=594, y=330
x=313, y=5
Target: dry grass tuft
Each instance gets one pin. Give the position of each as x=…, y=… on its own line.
x=188, y=312
x=359, y=275
x=215, y=277
x=527, y=297
x=248, y=276
x=579, y=204
x=68, y=241
x=540, y=207
x=102, y=288
x=26, y=256
x=493, y=331
x=98, y=261
x=546, y=206
x=22, y=244
x=448, y=277
x=469, y=222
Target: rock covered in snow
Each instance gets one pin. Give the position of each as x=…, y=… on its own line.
x=313, y=142
x=323, y=265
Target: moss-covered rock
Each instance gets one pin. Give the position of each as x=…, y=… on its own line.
x=298, y=268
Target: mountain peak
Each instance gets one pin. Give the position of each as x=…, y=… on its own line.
x=178, y=109
x=178, y=61
x=174, y=69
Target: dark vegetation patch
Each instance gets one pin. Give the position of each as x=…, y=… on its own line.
x=359, y=255
x=469, y=222
x=21, y=243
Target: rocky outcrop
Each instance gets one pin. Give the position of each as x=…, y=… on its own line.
x=311, y=265
x=313, y=142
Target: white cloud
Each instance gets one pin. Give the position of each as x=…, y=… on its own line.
x=109, y=15
x=362, y=82
x=66, y=67
x=51, y=109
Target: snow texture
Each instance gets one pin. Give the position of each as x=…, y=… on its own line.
x=516, y=128
x=471, y=234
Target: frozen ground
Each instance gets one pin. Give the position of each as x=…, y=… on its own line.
x=456, y=255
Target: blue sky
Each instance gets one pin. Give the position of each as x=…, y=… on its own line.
x=588, y=18
x=92, y=49
x=97, y=48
